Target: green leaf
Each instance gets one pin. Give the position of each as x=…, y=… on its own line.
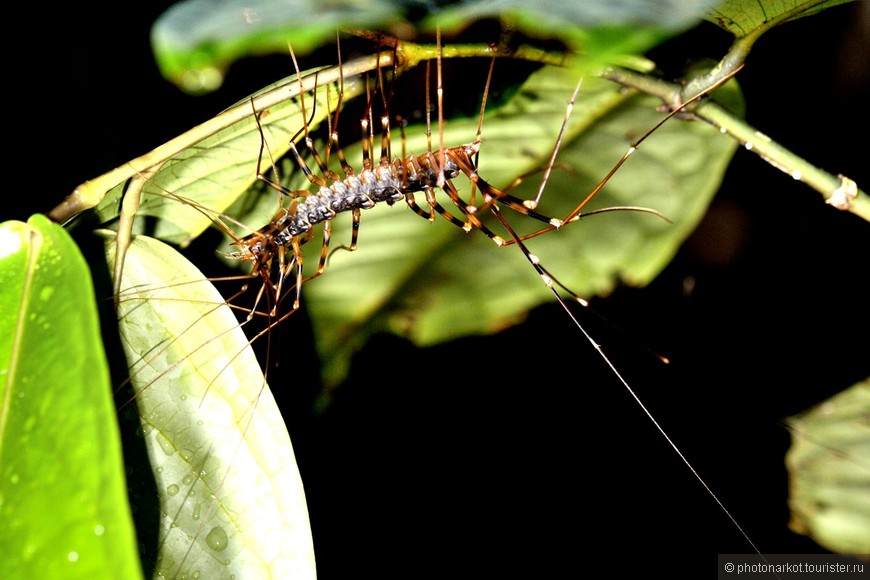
x=744, y=18
x=231, y=497
x=829, y=492
x=63, y=500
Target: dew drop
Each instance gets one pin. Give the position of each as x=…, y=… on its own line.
x=165, y=444
x=172, y=489
x=73, y=556
x=216, y=539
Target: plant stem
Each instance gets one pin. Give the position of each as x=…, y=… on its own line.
x=838, y=190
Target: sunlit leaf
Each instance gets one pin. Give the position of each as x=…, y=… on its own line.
x=231, y=499
x=63, y=500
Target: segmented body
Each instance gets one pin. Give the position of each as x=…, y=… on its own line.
x=387, y=182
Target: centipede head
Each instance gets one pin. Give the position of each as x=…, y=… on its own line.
x=461, y=159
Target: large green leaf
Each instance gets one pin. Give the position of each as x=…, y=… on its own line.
x=63, y=500
x=829, y=471
x=231, y=499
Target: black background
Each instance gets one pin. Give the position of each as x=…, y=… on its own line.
x=531, y=455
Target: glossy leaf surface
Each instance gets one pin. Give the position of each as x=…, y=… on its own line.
x=63, y=500
x=231, y=499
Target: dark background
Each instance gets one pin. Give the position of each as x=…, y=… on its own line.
x=532, y=455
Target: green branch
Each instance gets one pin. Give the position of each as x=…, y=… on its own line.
x=838, y=190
